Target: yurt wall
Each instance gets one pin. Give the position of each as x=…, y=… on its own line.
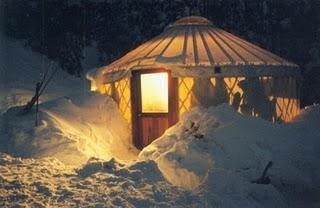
x=272, y=98
x=120, y=92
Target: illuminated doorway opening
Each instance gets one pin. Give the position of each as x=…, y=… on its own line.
x=154, y=93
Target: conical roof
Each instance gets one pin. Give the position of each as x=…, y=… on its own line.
x=193, y=46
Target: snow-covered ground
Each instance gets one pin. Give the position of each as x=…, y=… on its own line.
x=48, y=183
x=81, y=154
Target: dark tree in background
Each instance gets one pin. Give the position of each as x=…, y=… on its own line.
x=62, y=29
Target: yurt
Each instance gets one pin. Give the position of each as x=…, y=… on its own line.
x=194, y=63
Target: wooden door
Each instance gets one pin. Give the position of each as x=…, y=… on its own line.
x=154, y=102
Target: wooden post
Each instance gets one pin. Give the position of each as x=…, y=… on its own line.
x=37, y=97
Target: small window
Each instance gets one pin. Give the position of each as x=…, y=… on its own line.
x=154, y=92
x=217, y=69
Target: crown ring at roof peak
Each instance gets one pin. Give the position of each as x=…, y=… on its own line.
x=192, y=20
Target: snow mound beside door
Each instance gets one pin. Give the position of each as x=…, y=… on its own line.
x=178, y=152
x=218, y=150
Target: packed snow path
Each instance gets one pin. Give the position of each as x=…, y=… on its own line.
x=48, y=182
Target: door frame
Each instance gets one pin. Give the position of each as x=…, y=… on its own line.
x=136, y=111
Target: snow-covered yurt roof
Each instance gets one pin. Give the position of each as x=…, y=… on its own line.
x=194, y=46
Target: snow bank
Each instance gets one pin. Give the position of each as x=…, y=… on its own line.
x=219, y=152
x=74, y=125
x=71, y=132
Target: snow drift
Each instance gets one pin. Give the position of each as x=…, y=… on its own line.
x=74, y=125
x=219, y=152
x=70, y=132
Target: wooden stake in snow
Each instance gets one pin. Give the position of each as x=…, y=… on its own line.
x=264, y=179
x=40, y=87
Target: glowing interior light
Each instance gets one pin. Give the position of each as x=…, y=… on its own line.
x=154, y=92
x=93, y=86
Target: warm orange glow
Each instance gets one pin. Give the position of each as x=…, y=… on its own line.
x=154, y=92
x=185, y=94
x=93, y=86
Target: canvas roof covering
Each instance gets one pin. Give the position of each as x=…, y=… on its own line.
x=193, y=46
